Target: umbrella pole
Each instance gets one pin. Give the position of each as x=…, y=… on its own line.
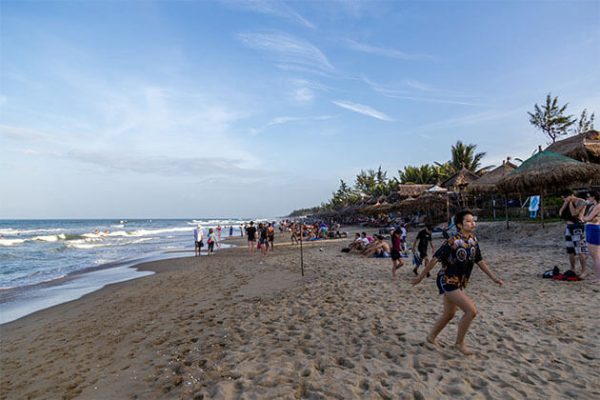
x=542, y=208
x=301, y=250
x=506, y=211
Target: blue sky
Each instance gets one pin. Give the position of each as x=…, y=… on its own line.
x=230, y=108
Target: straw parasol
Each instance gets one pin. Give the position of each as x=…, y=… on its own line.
x=548, y=172
x=460, y=180
x=405, y=191
x=488, y=182
x=583, y=147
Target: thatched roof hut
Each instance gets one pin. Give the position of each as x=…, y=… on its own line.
x=488, y=182
x=549, y=172
x=460, y=180
x=405, y=191
x=582, y=147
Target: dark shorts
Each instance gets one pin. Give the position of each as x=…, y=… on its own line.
x=211, y=246
x=200, y=244
x=263, y=241
x=575, y=239
x=396, y=255
x=422, y=254
x=443, y=286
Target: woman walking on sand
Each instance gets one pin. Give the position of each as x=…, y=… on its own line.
x=592, y=231
x=212, y=240
x=458, y=254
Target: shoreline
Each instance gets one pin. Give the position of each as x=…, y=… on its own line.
x=235, y=325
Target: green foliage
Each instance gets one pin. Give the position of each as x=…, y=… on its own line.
x=584, y=123
x=551, y=118
x=425, y=174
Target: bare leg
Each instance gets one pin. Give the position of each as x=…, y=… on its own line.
x=447, y=315
x=583, y=263
x=572, y=261
x=464, y=302
x=595, y=252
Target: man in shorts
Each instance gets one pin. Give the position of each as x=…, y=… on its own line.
x=251, y=233
x=572, y=211
x=420, y=245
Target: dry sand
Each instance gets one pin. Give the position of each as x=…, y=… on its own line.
x=233, y=326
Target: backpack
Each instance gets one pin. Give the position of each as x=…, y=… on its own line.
x=551, y=273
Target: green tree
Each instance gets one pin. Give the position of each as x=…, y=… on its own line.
x=424, y=174
x=584, y=123
x=551, y=118
x=464, y=156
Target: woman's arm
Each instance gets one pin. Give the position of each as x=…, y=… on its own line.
x=485, y=268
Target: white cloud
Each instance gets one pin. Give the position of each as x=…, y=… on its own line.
x=362, y=109
x=286, y=120
x=304, y=95
x=276, y=8
x=387, y=52
x=419, y=91
x=287, y=49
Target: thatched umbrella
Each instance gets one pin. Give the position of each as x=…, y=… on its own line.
x=488, y=182
x=405, y=191
x=582, y=147
x=548, y=172
x=460, y=180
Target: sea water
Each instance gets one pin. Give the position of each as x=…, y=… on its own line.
x=48, y=262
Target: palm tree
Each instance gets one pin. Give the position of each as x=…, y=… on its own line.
x=464, y=156
x=425, y=174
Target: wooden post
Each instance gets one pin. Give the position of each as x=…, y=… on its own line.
x=301, y=251
x=506, y=211
x=542, y=208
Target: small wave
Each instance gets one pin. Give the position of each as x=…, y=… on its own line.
x=85, y=245
x=12, y=231
x=11, y=242
x=50, y=238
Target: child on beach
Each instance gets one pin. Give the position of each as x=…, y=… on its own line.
x=458, y=254
x=212, y=239
x=396, y=251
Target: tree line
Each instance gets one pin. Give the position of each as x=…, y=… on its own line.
x=551, y=118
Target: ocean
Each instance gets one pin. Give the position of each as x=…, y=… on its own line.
x=48, y=262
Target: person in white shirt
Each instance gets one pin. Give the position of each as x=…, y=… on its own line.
x=198, y=239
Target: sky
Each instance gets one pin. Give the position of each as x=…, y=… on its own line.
x=192, y=109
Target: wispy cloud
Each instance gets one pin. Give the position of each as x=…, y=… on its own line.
x=286, y=120
x=287, y=49
x=275, y=8
x=387, y=52
x=419, y=91
x=472, y=119
x=362, y=109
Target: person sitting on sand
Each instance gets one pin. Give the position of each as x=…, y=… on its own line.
x=592, y=231
x=378, y=248
x=458, y=254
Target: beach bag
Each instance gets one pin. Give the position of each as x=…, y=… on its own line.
x=551, y=273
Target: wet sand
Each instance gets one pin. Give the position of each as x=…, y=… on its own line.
x=238, y=326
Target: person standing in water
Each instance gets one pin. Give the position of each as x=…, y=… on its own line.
x=458, y=254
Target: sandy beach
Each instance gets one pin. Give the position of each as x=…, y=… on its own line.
x=234, y=326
